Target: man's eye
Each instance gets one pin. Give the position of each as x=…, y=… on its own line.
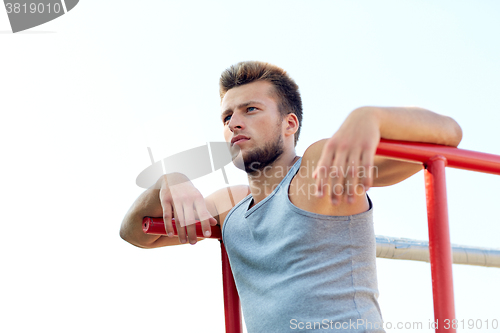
x=252, y=108
x=227, y=119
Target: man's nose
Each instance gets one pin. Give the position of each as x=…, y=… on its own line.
x=236, y=122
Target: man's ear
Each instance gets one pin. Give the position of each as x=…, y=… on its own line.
x=292, y=124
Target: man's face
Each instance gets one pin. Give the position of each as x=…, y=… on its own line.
x=253, y=124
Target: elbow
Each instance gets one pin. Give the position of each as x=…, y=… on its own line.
x=132, y=239
x=126, y=235
x=456, y=136
x=127, y=238
x=123, y=235
x=459, y=135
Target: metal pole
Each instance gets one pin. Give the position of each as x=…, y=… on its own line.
x=439, y=244
x=232, y=309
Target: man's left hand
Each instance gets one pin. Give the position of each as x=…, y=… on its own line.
x=345, y=166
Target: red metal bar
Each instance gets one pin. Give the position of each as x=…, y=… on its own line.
x=457, y=158
x=440, y=254
x=155, y=226
x=232, y=308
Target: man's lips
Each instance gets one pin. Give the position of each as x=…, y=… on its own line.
x=239, y=139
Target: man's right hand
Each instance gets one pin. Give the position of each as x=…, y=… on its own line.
x=183, y=202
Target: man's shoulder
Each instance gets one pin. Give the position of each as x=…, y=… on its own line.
x=224, y=199
x=310, y=160
x=302, y=190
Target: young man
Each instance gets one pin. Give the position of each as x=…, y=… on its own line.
x=300, y=237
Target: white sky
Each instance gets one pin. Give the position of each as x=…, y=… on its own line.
x=83, y=96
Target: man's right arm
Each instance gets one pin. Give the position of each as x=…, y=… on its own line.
x=159, y=201
x=173, y=196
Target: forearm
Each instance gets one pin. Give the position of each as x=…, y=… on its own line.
x=413, y=124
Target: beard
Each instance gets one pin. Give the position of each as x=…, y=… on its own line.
x=257, y=159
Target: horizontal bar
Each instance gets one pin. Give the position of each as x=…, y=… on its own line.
x=387, y=247
x=155, y=226
x=412, y=249
x=456, y=157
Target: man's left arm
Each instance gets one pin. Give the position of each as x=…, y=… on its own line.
x=353, y=146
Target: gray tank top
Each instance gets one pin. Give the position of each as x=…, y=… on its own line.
x=298, y=271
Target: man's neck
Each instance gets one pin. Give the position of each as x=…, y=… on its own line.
x=263, y=182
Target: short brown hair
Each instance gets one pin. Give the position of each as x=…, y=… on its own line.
x=286, y=89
